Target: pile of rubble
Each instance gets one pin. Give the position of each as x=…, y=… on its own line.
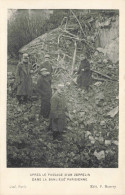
x=91, y=139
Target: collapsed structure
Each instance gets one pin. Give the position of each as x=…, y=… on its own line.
x=94, y=31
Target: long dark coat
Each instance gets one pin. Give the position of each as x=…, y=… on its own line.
x=84, y=76
x=43, y=88
x=57, y=113
x=23, y=80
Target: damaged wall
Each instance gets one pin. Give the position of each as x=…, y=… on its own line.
x=109, y=38
x=106, y=41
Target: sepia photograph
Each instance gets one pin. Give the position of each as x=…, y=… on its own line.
x=62, y=88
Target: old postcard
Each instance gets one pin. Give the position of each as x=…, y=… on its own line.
x=62, y=97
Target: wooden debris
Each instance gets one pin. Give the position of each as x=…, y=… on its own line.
x=74, y=57
x=78, y=22
x=103, y=75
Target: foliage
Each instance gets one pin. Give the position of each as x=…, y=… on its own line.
x=26, y=25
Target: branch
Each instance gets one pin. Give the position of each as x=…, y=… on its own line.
x=59, y=38
x=67, y=37
x=78, y=22
x=78, y=39
x=74, y=56
x=103, y=75
x=73, y=36
x=58, y=46
x=97, y=79
x=65, y=23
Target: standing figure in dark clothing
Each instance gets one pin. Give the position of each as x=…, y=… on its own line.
x=47, y=64
x=23, y=82
x=57, y=113
x=84, y=75
x=43, y=88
